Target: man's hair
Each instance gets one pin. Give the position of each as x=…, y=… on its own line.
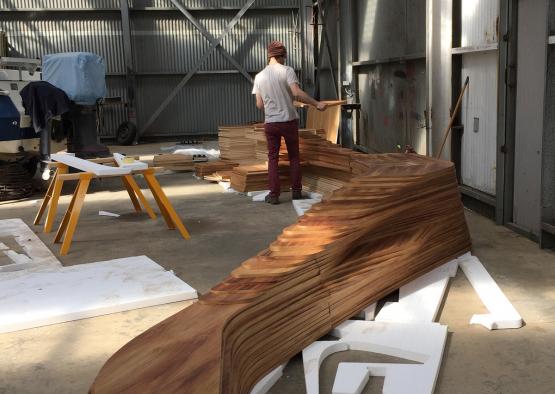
x=276, y=49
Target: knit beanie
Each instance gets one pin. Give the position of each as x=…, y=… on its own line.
x=276, y=49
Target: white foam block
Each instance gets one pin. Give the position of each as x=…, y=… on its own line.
x=259, y=197
x=227, y=187
x=419, y=342
x=211, y=154
x=313, y=355
x=301, y=206
x=106, y=213
x=351, y=378
x=135, y=165
x=419, y=300
x=266, y=383
x=316, y=196
x=88, y=166
x=17, y=258
x=254, y=193
x=368, y=313
x=37, y=256
x=502, y=313
x=42, y=298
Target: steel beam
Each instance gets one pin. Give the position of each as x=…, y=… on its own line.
x=307, y=47
x=140, y=9
x=324, y=41
x=213, y=44
x=505, y=161
x=182, y=73
x=129, y=63
x=212, y=39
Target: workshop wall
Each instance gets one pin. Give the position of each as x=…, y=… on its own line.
x=389, y=73
x=165, y=47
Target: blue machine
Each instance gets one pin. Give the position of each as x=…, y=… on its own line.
x=10, y=120
x=17, y=136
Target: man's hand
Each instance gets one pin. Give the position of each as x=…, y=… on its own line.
x=321, y=106
x=259, y=102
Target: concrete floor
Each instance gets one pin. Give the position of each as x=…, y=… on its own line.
x=226, y=229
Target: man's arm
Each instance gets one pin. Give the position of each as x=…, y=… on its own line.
x=259, y=102
x=303, y=97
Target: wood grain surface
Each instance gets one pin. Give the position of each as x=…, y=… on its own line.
x=392, y=218
x=327, y=120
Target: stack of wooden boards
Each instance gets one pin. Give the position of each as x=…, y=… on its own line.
x=219, y=176
x=255, y=177
x=236, y=142
x=175, y=162
x=250, y=173
x=323, y=180
x=248, y=142
x=261, y=145
x=397, y=217
x=208, y=168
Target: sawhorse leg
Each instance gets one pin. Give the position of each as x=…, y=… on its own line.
x=45, y=200
x=171, y=217
x=65, y=220
x=69, y=222
x=135, y=191
x=51, y=198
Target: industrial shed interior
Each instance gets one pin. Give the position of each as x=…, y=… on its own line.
x=277, y=196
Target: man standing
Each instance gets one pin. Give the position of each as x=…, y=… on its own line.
x=275, y=88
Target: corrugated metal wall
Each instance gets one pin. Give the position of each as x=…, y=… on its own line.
x=390, y=28
x=58, y=4
x=479, y=20
x=166, y=46
x=390, y=74
x=137, y=4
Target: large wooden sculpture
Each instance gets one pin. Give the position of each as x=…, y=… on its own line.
x=396, y=217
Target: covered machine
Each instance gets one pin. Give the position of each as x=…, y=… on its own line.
x=46, y=111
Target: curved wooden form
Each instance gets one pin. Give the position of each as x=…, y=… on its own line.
x=398, y=216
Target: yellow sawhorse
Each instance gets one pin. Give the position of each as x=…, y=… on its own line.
x=71, y=217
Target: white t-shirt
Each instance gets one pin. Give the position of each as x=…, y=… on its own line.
x=272, y=84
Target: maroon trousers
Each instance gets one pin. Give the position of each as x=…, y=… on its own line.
x=290, y=133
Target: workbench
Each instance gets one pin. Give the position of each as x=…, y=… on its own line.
x=89, y=168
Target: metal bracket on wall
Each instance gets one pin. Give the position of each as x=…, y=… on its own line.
x=214, y=43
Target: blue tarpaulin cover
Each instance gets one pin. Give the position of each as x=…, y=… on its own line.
x=81, y=75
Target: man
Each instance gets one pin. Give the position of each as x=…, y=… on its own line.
x=275, y=88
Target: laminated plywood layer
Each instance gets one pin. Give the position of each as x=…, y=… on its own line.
x=395, y=218
x=327, y=120
x=236, y=142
